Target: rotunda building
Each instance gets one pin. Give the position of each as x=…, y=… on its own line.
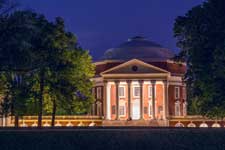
x=138, y=83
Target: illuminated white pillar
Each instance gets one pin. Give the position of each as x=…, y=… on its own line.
x=108, y=101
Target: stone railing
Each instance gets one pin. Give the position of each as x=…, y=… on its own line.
x=65, y=121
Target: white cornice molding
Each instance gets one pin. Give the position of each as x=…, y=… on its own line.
x=137, y=62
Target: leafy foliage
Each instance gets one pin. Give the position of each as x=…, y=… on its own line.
x=201, y=37
x=43, y=66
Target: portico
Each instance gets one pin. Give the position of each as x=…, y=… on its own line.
x=132, y=94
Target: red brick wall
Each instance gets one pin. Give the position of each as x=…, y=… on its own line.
x=159, y=99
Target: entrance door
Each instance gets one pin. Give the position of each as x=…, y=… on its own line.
x=136, y=110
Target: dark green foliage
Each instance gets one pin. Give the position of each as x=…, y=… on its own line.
x=43, y=67
x=201, y=37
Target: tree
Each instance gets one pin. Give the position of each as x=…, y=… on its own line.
x=15, y=56
x=201, y=37
x=43, y=66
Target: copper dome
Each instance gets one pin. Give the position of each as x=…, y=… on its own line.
x=139, y=48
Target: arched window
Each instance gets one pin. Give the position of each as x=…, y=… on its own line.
x=80, y=124
x=216, y=125
x=177, y=108
x=203, y=125
x=69, y=124
x=58, y=124
x=46, y=124
x=179, y=124
x=92, y=124
x=191, y=125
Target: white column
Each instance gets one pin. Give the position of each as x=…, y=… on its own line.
x=165, y=100
x=108, y=101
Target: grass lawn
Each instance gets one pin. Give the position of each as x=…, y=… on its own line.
x=112, y=138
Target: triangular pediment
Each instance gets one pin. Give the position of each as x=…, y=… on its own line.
x=134, y=66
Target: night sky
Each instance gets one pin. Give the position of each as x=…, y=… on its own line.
x=102, y=24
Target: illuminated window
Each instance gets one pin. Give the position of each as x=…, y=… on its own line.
x=149, y=91
x=121, y=91
x=136, y=91
x=122, y=108
x=177, y=108
x=184, y=108
x=99, y=92
x=177, y=92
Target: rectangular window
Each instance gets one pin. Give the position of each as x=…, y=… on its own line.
x=184, y=93
x=121, y=91
x=113, y=109
x=136, y=91
x=177, y=109
x=177, y=92
x=122, y=110
x=99, y=92
x=149, y=91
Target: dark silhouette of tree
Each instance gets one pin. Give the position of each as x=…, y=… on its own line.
x=201, y=37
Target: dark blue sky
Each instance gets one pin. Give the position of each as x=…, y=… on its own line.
x=102, y=24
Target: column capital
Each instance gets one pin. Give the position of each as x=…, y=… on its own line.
x=128, y=81
x=140, y=81
x=105, y=81
x=153, y=82
x=117, y=82
x=165, y=82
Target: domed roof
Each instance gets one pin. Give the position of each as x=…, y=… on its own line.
x=139, y=48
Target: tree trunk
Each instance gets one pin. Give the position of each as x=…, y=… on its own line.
x=53, y=112
x=16, y=123
x=40, y=103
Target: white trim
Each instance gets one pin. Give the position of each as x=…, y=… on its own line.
x=136, y=61
x=133, y=83
x=150, y=108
